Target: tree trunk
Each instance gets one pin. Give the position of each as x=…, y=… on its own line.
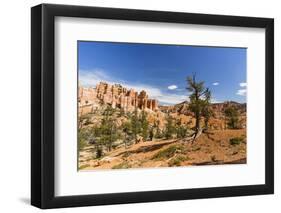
x=197, y=134
x=197, y=123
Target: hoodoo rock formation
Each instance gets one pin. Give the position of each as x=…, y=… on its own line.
x=116, y=96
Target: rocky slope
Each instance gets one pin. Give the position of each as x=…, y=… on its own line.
x=210, y=149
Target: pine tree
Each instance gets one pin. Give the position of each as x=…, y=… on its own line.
x=151, y=133
x=199, y=100
x=135, y=124
x=169, y=128
x=127, y=129
x=144, y=125
x=231, y=114
x=181, y=130
x=158, y=133
x=108, y=128
x=207, y=113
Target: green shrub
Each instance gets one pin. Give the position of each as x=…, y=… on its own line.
x=82, y=144
x=84, y=134
x=181, y=131
x=176, y=161
x=84, y=166
x=99, y=152
x=168, y=152
x=235, y=141
x=232, y=117
x=123, y=165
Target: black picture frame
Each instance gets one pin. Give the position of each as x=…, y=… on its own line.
x=43, y=105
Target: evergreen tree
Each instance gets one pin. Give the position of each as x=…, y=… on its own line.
x=135, y=124
x=83, y=137
x=231, y=114
x=181, y=130
x=144, y=125
x=151, y=133
x=108, y=128
x=158, y=133
x=127, y=130
x=199, y=99
x=169, y=128
x=207, y=113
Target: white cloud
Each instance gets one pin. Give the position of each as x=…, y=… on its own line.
x=171, y=99
x=243, y=84
x=172, y=87
x=216, y=83
x=241, y=92
x=92, y=77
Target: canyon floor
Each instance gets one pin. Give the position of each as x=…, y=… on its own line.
x=212, y=148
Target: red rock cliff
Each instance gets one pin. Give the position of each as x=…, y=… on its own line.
x=116, y=96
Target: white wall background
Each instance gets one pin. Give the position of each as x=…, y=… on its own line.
x=15, y=105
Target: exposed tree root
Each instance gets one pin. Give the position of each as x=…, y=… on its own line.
x=192, y=138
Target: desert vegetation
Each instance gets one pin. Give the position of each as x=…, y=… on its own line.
x=115, y=135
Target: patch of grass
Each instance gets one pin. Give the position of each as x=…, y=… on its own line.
x=168, y=152
x=123, y=165
x=235, y=141
x=84, y=166
x=176, y=161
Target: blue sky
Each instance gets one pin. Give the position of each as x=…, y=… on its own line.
x=161, y=70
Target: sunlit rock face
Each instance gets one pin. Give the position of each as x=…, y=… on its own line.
x=115, y=95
